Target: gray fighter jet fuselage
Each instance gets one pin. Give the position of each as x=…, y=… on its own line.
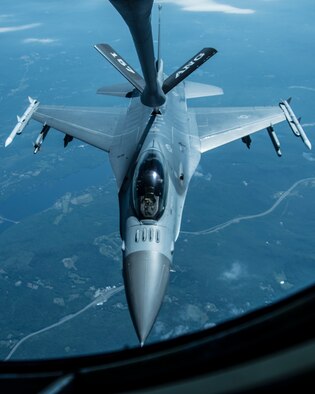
x=154, y=148
x=151, y=202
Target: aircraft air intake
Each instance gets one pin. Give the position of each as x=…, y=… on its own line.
x=137, y=15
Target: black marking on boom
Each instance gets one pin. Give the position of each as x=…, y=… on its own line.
x=121, y=65
x=186, y=69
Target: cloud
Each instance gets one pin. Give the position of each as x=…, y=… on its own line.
x=207, y=177
x=302, y=87
x=236, y=311
x=11, y=29
x=44, y=41
x=209, y=6
x=308, y=156
x=5, y=16
x=236, y=272
x=308, y=124
x=200, y=174
x=177, y=331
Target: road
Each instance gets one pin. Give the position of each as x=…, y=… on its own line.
x=2, y=219
x=105, y=296
x=221, y=226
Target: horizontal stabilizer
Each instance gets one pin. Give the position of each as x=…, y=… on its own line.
x=195, y=90
x=185, y=70
x=121, y=65
x=119, y=90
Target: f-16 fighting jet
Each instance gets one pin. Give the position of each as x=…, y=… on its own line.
x=154, y=147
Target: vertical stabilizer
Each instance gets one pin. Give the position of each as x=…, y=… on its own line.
x=137, y=15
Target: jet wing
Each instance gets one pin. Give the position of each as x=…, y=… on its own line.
x=219, y=126
x=95, y=126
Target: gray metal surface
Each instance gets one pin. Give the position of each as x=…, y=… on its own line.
x=146, y=275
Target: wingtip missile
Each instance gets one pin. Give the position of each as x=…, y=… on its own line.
x=307, y=142
x=8, y=141
x=22, y=121
x=294, y=123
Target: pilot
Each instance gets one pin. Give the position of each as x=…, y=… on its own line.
x=149, y=205
x=149, y=189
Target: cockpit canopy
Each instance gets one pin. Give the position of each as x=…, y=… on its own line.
x=149, y=187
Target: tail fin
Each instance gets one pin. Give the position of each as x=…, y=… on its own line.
x=137, y=15
x=185, y=70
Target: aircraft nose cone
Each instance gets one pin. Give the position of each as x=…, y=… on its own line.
x=146, y=276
